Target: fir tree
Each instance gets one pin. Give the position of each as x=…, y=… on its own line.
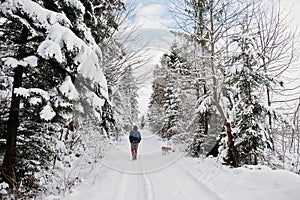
x=157, y=99
x=251, y=133
x=51, y=60
x=167, y=93
x=128, y=91
x=171, y=124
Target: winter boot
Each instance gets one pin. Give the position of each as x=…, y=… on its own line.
x=134, y=155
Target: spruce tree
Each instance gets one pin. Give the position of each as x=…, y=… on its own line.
x=156, y=112
x=249, y=112
x=51, y=60
x=171, y=123
x=170, y=81
x=128, y=90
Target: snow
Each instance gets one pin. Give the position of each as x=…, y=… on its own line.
x=43, y=17
x=3, y=187
x=68, y=89
x=76, y=5
x=47, y=113
x=174, y=176
x=35, y=100
x=12, y=62
x=23, y=92
x=60, y=39
x=40, y=92
x=31, y=60
x=49, y=49
x=2, y=20
x=249, y=182
x=95, y=102
x=87, y=57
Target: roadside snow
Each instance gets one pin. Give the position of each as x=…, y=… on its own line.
x=247, y=183
x=176, y=177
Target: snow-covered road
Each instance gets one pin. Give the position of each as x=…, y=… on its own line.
x=152, y=177
x=175, y=177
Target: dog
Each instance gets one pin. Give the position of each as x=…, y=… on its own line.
x=165, y=150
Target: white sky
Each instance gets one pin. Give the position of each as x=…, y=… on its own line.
x=155, y=14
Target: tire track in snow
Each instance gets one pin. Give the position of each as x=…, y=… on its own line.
x=132, y=186
x=199, y=182
x=129, y=186
x=176, y=182
x=120, y=191
x=148, y=186
x=146, y=183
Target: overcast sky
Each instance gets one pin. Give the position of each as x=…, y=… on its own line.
x=155, y=13
x=152, y=14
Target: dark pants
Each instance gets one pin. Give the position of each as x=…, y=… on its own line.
x=134, y=148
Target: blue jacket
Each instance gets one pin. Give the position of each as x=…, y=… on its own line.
x=135, y=136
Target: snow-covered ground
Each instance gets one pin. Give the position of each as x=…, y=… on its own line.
x=176, y=177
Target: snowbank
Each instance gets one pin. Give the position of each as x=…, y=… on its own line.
x=247, y=183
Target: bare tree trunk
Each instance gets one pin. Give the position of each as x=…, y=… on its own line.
x=205, y=116
x=295, y=129
x=270, y=118
x=8, y=168
x=276, y=42
x=231, y=156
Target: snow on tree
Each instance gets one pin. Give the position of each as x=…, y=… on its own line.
x=156, y=109
x=166, y=101
x=171, y=124
x=108, y=16
x=212, y=24
x=53, y=63
x=128, y=90
x=119, y=59
x=249, y=109
x=212, y=21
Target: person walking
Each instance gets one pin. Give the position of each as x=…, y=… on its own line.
x=134, y=139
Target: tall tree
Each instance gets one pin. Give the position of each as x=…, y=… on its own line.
x=173, y=62
x=168, y=93
x=277, y=50
x=51, y=61
x=249, y=111
x=213, y=24
x=128, y=91
x=213, y=21
x=156, y=112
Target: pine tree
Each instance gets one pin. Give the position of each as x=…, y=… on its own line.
x=249, y=111
x=51, y=61
x=118, y=111
x=167, y=93
x=128, y=90
x=171, y=124
x=213, y=21
x=108, y=15
x=156, y=105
